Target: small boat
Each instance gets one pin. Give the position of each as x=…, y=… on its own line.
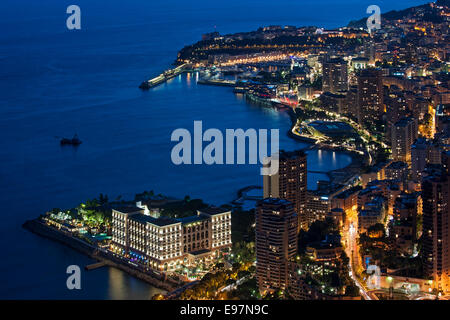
x=75, y=141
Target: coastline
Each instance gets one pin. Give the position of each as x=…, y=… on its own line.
x=43, y=230
x=340, y=176
x=164, y=283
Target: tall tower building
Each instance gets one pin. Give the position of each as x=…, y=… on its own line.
x=290, y=183
x=276, y=243
x=335, y=76
x=423, y=152
x=403, y=135
x=407, y=207
x=436, y=229
x=370, y=95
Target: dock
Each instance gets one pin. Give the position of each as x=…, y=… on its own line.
x=165, y=76
x=95, y=266
x=217, y=82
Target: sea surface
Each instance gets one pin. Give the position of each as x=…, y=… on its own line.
x=55, y=82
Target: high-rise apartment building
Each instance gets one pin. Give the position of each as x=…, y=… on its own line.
x=407, y=207
x=370, y=95
x=290, y=183
x=335, y=76
x=404, y=133
x=436, y=230
x=276, y=243
x=423, y=152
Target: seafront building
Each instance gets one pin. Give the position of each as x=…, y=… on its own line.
x=165, y=243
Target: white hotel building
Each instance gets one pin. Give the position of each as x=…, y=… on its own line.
x=164, y=243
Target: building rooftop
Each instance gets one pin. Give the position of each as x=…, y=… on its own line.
x=345, y=194
x=369, y=213
x=370, y=189
x=160, y=222
x=191, y=219
x=406, y=200
x=213, y=211
x=421, y=143
x=360, y=59
x=403, y=122
x=397, y=165
x=275, y=201
x=284, y=155
x=131, y=209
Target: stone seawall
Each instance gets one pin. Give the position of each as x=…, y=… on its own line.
x=81, y=246
x=43, y=230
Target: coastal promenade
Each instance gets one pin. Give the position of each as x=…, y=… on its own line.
x=103, y=256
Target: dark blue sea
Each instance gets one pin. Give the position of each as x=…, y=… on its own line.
x=55, y=82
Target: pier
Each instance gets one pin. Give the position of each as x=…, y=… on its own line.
x=107, y=258
x=165, y=76
x=217, y=82
x=242, y=195
x=95, y=266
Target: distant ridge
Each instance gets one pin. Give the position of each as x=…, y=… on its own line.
x=401, y=14
x=445, y=3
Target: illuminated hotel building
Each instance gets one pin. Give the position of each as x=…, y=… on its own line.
x=120, y=224
x=290, y=183
x=276, y=243
x=166, y=243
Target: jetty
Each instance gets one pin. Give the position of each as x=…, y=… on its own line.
x=242, y=195
x=217, y=82
x=104, y=257
x=95, y=265
x=165, y=76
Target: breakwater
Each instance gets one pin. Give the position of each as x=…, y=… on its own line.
x=217, y=82
x=165, y=76
x=101, y=255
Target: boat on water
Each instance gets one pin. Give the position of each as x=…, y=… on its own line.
x=75, y=141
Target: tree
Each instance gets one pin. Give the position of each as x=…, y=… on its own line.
x=426, y=126
x=352, y=291
x=103, y=199
x=376, y=231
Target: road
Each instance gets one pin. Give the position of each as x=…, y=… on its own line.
x=352, y=252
